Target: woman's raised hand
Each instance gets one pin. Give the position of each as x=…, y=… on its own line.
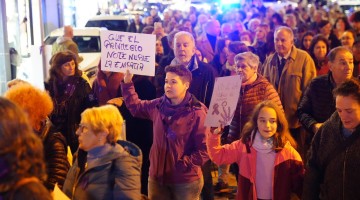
x=128, y=77
x=218, y=130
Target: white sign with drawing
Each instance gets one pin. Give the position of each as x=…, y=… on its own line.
x=121, y=51
x=223, y=101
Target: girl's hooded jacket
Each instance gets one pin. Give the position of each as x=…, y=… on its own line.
x=288, y=168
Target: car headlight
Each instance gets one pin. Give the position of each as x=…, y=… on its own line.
x=91, y=72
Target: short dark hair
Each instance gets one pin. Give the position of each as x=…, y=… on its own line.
x=148, y=30
x=350, y=87
x=323, y=23
x=180, y=70
x=220, y=45
x=332, y=54
x=238, y=47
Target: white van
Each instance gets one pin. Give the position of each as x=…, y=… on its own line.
x=88, y=41
x=110, y=22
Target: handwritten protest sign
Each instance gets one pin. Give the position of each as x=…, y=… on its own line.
x=133, y=51
x=223, y=101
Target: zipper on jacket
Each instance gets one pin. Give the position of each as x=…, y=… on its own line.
x=76, y=180
x=242, y=92
x=344, y=170
x=205, y=94
x=79, y=176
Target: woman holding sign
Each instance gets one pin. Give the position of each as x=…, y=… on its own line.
x=179, y=139
x=270, y=167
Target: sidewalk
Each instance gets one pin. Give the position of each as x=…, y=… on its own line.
x=232, y=187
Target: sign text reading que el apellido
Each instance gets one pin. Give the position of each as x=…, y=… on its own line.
x=120, y=43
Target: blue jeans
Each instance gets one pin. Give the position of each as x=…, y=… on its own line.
x=183, y=191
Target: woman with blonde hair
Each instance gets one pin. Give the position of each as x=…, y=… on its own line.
x=22, y=166
x=270, y=167
x=103, y=168
x=29, y=98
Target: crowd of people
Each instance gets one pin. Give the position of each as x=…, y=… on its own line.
x=294, y=134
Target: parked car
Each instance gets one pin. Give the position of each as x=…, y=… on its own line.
x=88, y=41
x=111, y=22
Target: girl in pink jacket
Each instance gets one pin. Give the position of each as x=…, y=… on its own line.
x=270, y=167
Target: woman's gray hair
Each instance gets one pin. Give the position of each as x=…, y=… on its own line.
x=251, y=59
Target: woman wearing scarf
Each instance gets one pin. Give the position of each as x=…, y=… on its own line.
x=178, y=148
x=70, y=94
x=270, y=167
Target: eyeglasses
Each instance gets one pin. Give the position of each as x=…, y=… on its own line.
x=82, y=128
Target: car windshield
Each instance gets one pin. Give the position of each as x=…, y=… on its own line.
x=86, y=44
x=112, y=25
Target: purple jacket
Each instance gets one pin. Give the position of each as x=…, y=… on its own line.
x=179, y=142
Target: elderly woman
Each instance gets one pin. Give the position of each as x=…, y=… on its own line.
x=254, y=89
x=70, y=94
x=22, y=168
x=29, y=98
x=179, y=147
x=102, y=168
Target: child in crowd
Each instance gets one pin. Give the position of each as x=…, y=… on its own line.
x=270, y=167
